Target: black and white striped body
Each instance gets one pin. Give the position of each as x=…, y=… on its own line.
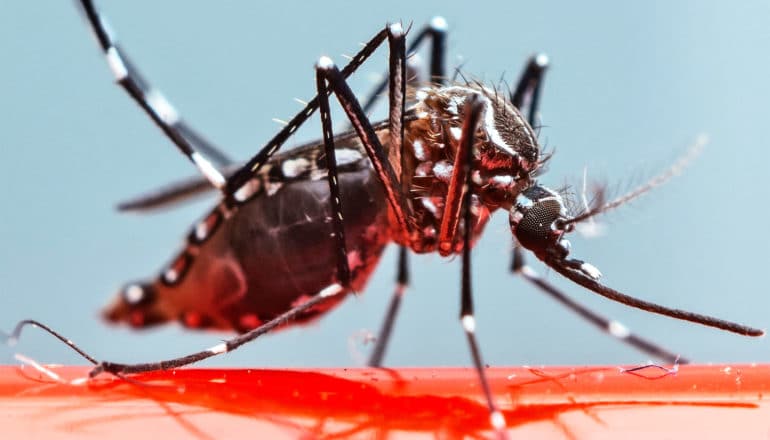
x=241, y=267
x=295, y=232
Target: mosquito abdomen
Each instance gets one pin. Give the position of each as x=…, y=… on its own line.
x=275, y=251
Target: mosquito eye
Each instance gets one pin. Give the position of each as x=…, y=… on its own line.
x=537, y=219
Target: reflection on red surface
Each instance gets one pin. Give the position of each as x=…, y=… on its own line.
x=553, y=402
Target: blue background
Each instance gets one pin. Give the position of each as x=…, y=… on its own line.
x=631, y=86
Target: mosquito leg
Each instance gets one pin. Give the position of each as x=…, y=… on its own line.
x=402, y=282
x=396, y=97
x=328, y=293
x=528, y=89
x=152, y=101
x=374, y=149
x=459, y=188
x=383, y=165
x=240, y=180
x=343, y=268
x=608, y=326
x=324, y=295
x=397, y=102
x=14, y=336
x=435, y=31
x=474, y=111
x=327, y=72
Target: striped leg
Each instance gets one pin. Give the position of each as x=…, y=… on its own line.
x=463, y=169
x=324, y=295
x=152, y=101
x=436, y=32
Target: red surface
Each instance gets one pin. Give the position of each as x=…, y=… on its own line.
x=717, y=402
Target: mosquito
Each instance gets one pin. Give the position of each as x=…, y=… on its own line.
x=296, y=232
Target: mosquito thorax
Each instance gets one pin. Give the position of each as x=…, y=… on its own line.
x=505, y=139
x=505, y=151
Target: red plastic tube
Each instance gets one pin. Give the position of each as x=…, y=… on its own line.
x=697, y=401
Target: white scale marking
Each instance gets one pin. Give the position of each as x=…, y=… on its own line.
x=346, y=156
x=469, y=323
x=618, y=330
x=331, y=290
x=212, y=174
x=295, y=167
x=429, y=205
x=161, y=107
x=116, y=64
x=247, y=190
x=529, y=272
x=443, y=171
x=590, y=270
x=171, y=276
x=396, y=29
x=325, y=63
x=272, y=187
x=201, y=231
x=218, y=349
x=497, y=420
x=134, y=294
x=439, y=24
x=419, y=150
x=494, y=135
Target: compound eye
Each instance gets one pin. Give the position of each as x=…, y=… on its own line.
x=536, y=219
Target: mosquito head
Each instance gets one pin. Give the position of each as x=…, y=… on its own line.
x=538, y=222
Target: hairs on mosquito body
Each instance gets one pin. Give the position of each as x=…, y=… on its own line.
x=503, y=84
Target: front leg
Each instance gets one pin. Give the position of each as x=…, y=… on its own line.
x=458, y=206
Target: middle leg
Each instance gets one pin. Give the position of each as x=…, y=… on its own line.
x=436, y=32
